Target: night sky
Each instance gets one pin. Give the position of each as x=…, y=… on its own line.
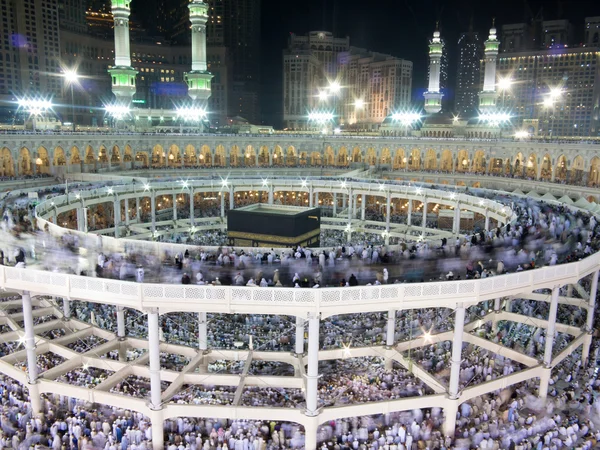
x=398, y=27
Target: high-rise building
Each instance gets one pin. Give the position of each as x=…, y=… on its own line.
x=517, y=37
x=556, y=33
x=71, y=14
x=30, y=41
x=559, y=91
x=592, y=32
x=470, y=53
x=322, y=73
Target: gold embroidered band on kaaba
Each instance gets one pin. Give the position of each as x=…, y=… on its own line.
x=273, y=237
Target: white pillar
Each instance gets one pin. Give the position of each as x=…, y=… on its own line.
x=362, y=207
x=544, y=382
x=310, y=197
x=391, y=328
x=120, y=322
x=137, y=209
x=299, y=342
x=589, y=324
x=388, y=211
x=450, y=412
x=497, y=307
x=350, y=198
x=487, y=220
x=153, y=212
x=456, y=222
x=311, y=428
x=459, y=323
x=175, y=207
x=202, y=332
x=158, y=430
x=424, y=224
x=127, y=214
x=117, y=211
x=192, y=213
x=312, y=373
x=231, y=198
x=154, y=356
x=316, y=199
x=270, y=195
x=551, y=330
x=32, y=371
x=334, y=203
x=66, y=308
x=409, y=218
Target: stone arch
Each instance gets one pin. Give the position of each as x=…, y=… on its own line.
x=220, y=156
x=479, y=162
x=75, y=156
x=291, y=157
x=249, y=156
x=174, y=156
x=531, y=167
x=495, y=166
x=115, y=155
x=142, y=158
x=263, y=156
x=518, y=165
x=371, y=158
x=342, y=157
x=462, y=161
x=400, y=159
x=560, y=169
x=414, y=160
x=546, y=169
x=577, y=166
x=90, y=156
x=235, y=156
x=357, y=156
x=60, y=158
x=446, y=163
x=329, y=157
x=316, y=159
x=594, y=174
x=386, y=156
x=430, y=160
x=303, y=158
x=278, y=156
x=128, y=154
x=43, y=158
x=205, y=157
x=7, y=165
x=158, y=155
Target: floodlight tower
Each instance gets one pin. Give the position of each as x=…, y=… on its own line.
x=433, y=96
x=122, y=74
x=199, y=79
x=488, y=97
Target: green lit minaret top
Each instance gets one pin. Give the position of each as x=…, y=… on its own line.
x=122, y=74
x=199, y=79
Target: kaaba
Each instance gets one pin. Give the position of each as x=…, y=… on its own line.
x=262, y=225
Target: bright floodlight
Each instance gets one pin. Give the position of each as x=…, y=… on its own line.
x=335, y=87
x=71, y=76
x=337, y=130
x=406, y=118
x=522, y=134
x=494, y=119
x=359, y=103
x=323, y=95
x=504, y=84
x=190, y=114
x=320, y=117
x=555, y=93
x=548, y=102
x=117, y=111
x=34, y=106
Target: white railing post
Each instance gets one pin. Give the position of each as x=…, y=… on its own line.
x=589, y=324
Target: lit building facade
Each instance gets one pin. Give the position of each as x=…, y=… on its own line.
x=592, y=32
x=553, y=93
x=370, y=85
x=470, y=53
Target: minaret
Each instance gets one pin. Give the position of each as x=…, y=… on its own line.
x=123, y=75
x=433, y=96
x=198, y=80
x=487, y=97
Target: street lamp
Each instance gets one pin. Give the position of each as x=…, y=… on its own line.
x=504, y=85
x=35, y=107
x=71, y=78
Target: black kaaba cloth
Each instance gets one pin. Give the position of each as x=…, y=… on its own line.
x=262, y=225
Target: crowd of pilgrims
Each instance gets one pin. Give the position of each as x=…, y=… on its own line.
x=511, y=418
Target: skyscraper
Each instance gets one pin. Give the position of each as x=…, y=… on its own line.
x=470, y=54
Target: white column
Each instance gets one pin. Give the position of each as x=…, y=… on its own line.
x=456, y=222
x=138, y=211
x=127, y=214
x=120, y=322
x=153, y=212
x=80, y=223
x=191, y=197
x=202, y=332
x=544, y=382
x=487, y=220
x=350, y=201
x=231, y=198
x=388, y=211
x=589, y=324
x=334, y=203
x=32, y=371
x=362, y=207
x=158, y=429
x=450, y=412
x=390, y=338
x=459, y=323
x=310, y=197
x=175, y=207
x=299, y=342
x=310, y=434
x=497, y=308
x=424, y=224
x=551, y=330
x=312, y=374
x=117, y=210
x=409, y=218
x=270, y=195
x=66, y=308
x=154, y=354
x=316, y=199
